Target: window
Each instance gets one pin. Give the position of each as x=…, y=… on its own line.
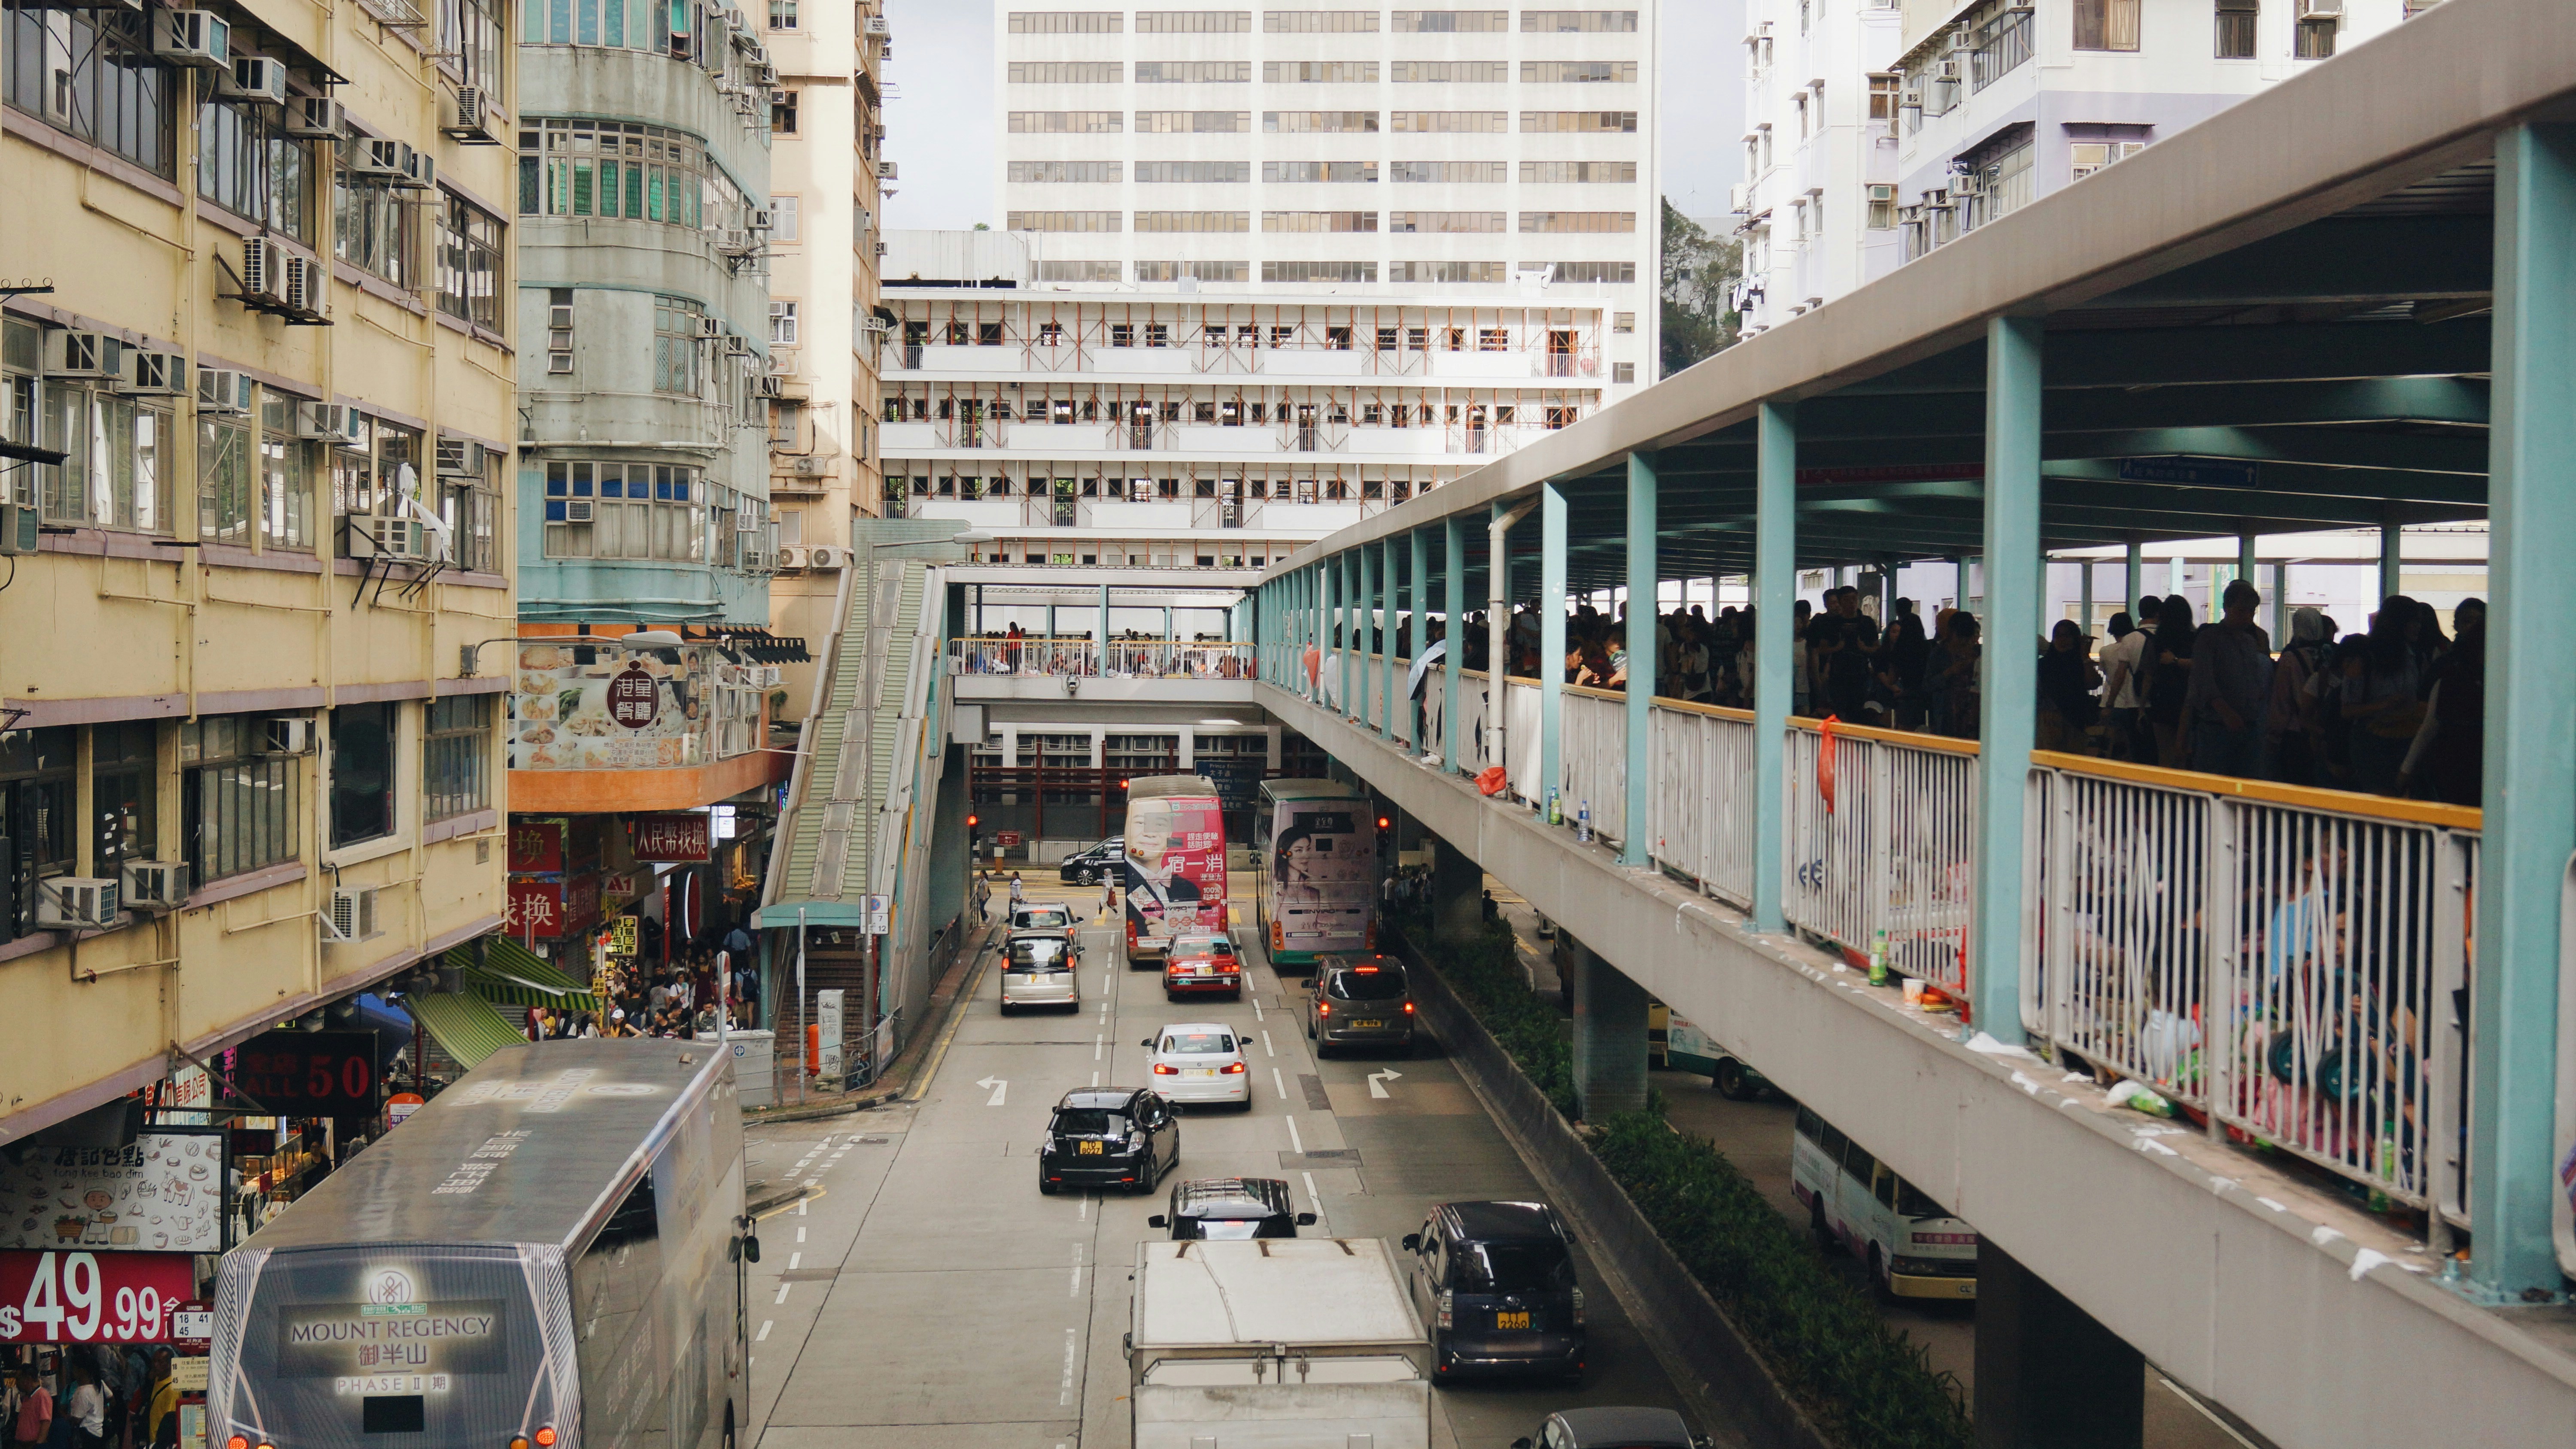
x=1198, y=271
x=37, y=791
x=1578, y=72
x=472, y=29
x=988, y=334
x=2106, y=24
x=1175, y=123
x=1067, y=123
x=782, y=324
x=559, y=330
x=2313, y=38
x=1566, y=21
x=1192, y=72
x=1443, y=272
x=1579, y=221
x=1192, y=22
x=1584, y=271
x=223, y=481
x=1066, y=22
x=1192, y=221
x=1321, y=72
x=1315, y=22
x=1473, y=173
x=1319, y=271
x=286, y=469
x=1431, y=122
x=1065, y=221
x=469, y=264
x=1319, y=221
x=2087, y=157
x=1078, y=271
x=1300, y=171
x=676, y=31
x=471, y=508
x=786, y=219
x=362, y=772
x=251, y=168
x=90, y=73
x=375, y=228
x=1623, y=322
x=624, y=510
x=1446, y=22
x=1066, y=72
x=782, y=14
x=116, y=471
x=1623, y=372
x=1191, y=171
x=1445, y=221
x=613, y=169
x=1493, y=339
x=675, y=346
x=124, y=791
x=237, y=806
x=456, y=757
x=1579, y=173
x=1052, y=171
x=1581, y=122
x=2236, y=20
x=782, y=112
x=1319, y=121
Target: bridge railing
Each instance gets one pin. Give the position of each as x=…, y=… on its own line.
x=1127, y=658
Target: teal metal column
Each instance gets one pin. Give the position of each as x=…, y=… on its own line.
x=2137, y=579
x=1551, y=643
x=1637, y=842
x=1367, y=599
x=2392, y=549
x=2246, y=564
x=1327, y=578
x=2084, y=600
x=1453, y=560
x=1387, y=596
x=2008, y=678
x=1416, y=619
x=1773, y=593
x=1354, y=679
x=2530, y=800
x=1100, y=666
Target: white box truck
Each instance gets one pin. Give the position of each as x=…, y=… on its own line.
x=1276, y=1343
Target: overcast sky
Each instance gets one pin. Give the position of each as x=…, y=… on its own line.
x=940, y=133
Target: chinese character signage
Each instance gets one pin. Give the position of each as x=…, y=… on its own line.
x=163, y=1194
x=536, y=846
x=310, y=1073
x=550, y=909
x=1175, y=865
x=669, y=837
x=81, y=1297
x=621, y=712
x=634, y=697
x=625, y=936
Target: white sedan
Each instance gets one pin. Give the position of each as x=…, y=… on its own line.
x=1201, y=1062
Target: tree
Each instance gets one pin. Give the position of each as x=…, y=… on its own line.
x=1700, y=270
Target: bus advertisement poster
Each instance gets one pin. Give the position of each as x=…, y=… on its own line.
x=1176, y=864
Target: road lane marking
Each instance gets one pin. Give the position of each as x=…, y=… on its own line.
x=1266, y=1048
x=1256, y=1010
x=1377, y=1082
x=1085, y=1214
x=1293, y=1139
x=782, y=1292
x=1076, y=1290
x=1099, y=1042
x=794, y=1261
x=800, y=1211
x=1095, y=1079
x=1000, y=1085
x=1066, y=1396
x=1279, y=1082
x=800, y=1235
x=1314, y=1199
x=766, y=1324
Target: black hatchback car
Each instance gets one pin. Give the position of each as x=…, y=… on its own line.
x=1613, y=1429
x=1223, y=1208
x=1100, y=862
x=1495, y=1280
x=1109, y=1137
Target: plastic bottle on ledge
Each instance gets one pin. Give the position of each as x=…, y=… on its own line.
x=1555, y=809
x=1878, y=975
x=1583, y=823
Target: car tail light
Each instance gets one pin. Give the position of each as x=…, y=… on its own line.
x=1166, y=1069
x=1278, y=937
x=237, y=1442
x=1323, y=1008
x=1231, y=1068
x=1229, y=968
x=1408, y=1008
x=546, y=1437
x=1446, y=1317
x=517, y=1441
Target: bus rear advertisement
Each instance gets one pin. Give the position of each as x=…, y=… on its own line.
x=1315, y=849
x=1175, y=868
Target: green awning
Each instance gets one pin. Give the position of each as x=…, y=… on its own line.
x=465, y=1026
x=512, y=975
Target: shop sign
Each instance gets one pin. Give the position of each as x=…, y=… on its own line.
x=634, y=698
x=536, y=847
x=625, y=936
x=190, y=1374
x=621, y=885
x=670, y=837
x=310, y=1073
x=1007, y=839
x=78, y=1297
x=550, y=910
x=162, y=1194
x=647, y=713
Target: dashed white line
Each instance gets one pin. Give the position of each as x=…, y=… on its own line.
x=800, y=1235
x=1095, y=1079
x=1256, y=1010
x=1266, y=1048
x=782, y=1292
x=1293, y=1139
x=766, y=1324
x=1076, y=1290
x=1314, y=1199
x=793, y=1259
x=1099, y=1043
x=800, y=1209
x=1066, y=1396
x=1280, y=1082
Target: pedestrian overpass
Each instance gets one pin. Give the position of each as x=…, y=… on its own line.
x=2348, y=302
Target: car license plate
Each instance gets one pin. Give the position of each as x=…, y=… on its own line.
x=1198, y=1071
x=1372, y=1024
x=1089, y=1149
x=1512, y=1320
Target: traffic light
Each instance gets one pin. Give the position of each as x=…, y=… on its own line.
x=972, y=821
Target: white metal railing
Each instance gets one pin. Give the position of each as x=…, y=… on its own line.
x=1592, y=760
x=1877, y=839
x=1702, y=798
x=1127, y=658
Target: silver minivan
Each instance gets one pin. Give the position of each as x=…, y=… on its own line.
x=1039, y=968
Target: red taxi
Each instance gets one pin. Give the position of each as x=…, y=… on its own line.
x=1202, y=963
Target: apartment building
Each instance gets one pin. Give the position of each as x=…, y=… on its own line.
x=259, y=401
x=1876, y=133
x=1204, y=425
x=644, y=661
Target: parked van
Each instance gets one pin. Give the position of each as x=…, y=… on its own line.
x=1914, y=1247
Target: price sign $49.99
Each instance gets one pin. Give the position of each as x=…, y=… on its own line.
x=108, y=1297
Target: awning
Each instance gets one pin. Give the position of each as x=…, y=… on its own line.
x=512, y=975
x=465, y=1026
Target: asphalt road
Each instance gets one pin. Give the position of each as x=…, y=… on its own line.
x=931, y=1298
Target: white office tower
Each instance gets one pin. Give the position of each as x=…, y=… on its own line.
x=1877, y=133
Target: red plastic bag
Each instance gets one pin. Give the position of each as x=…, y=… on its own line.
x=1825, y=762
x=1490, y=780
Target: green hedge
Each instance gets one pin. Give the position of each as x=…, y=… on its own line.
x=1864, y=1383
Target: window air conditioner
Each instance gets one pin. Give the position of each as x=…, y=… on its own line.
x=314, y=117
x=460, y=458
x=77, y=903
x=289, y=735
x=1880, y=192
x=1949, y=70
x=154, y=374
x=745, y=521
x=826, y=556
x=379, y=156
x=155, y=885
x=397, y=536
x=760, y=73
x=578, y=510
x=886, y=171
x=710, y=328
x=350, y=915
x=760, y=218
x=330, y=422
x=419, y=171
x=83, y=354
x=769, y=676
x=737, y=345
x=1912, y=100
x=769, y=385
x=2320, y=9
x=222, y=392
x=254, y=78
x=193, y=37
x=21, y=526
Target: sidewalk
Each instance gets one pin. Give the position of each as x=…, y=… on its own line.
x=897, y=1082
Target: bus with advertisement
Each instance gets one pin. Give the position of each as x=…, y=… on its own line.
x=1174, y=874
x=550, y=1252
x=1314, y=861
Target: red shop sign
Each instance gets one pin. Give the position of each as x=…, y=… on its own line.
x=670, y=837
x=537, y=846
x=536, y=908
x=110, y=1297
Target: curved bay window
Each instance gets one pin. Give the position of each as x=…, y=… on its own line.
x=625, y=510
x=613, y=169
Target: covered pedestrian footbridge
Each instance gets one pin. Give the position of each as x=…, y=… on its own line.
x=2347, y=302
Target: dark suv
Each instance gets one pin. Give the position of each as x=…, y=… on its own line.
x=1105, y=1137
x=1359, y=1001
x=1090, y=867
x=1495, y=1280
x=1219, y=1208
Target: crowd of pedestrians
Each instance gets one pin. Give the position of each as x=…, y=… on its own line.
x=89, y=1396
x=700, y=989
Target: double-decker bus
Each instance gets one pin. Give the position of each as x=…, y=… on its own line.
x=1175, y=867
x=1314, y=852
x=550, y=1252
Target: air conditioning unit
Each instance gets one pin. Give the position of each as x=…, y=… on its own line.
x=254, y=78
x=154, y=374
x=304, y=284
x=349, y=915
x=288, y=735
x=193, y=37
x=155, y=885
x=768, y=676
x=578, y=510
x=1912, y=100
x=83, y=354
x=419, y=171
x=745, y=521
x=21, y=527
x=1880, y=192
x=314, y=117
x=826, y=556
x=1949, y=70
x=68, y=903
x=379, y=156
x=737, y=345
x=885, y=171
x=222, y=392
x=878, y=25
x=769, y=385
x=710, y=328
x=398, y=536
x=460, y=458
x=263, y=274
x=813, y=468
x=794, y=557
x=760, y=73
x=2320, y=9
x=760, y=218
x=330, y=422
x=470, y=121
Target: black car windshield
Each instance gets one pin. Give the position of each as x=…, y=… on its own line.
x=1037, y=953
x=1090, y=1122
x=1270, y=1225
x=1197, y=1043
x=1531, y=1267
x=1361, y=983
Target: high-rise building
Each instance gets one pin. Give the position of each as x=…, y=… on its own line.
x=1877, y=133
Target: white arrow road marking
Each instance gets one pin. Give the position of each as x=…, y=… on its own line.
x=1377, y=1081
x=1001, y=1085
